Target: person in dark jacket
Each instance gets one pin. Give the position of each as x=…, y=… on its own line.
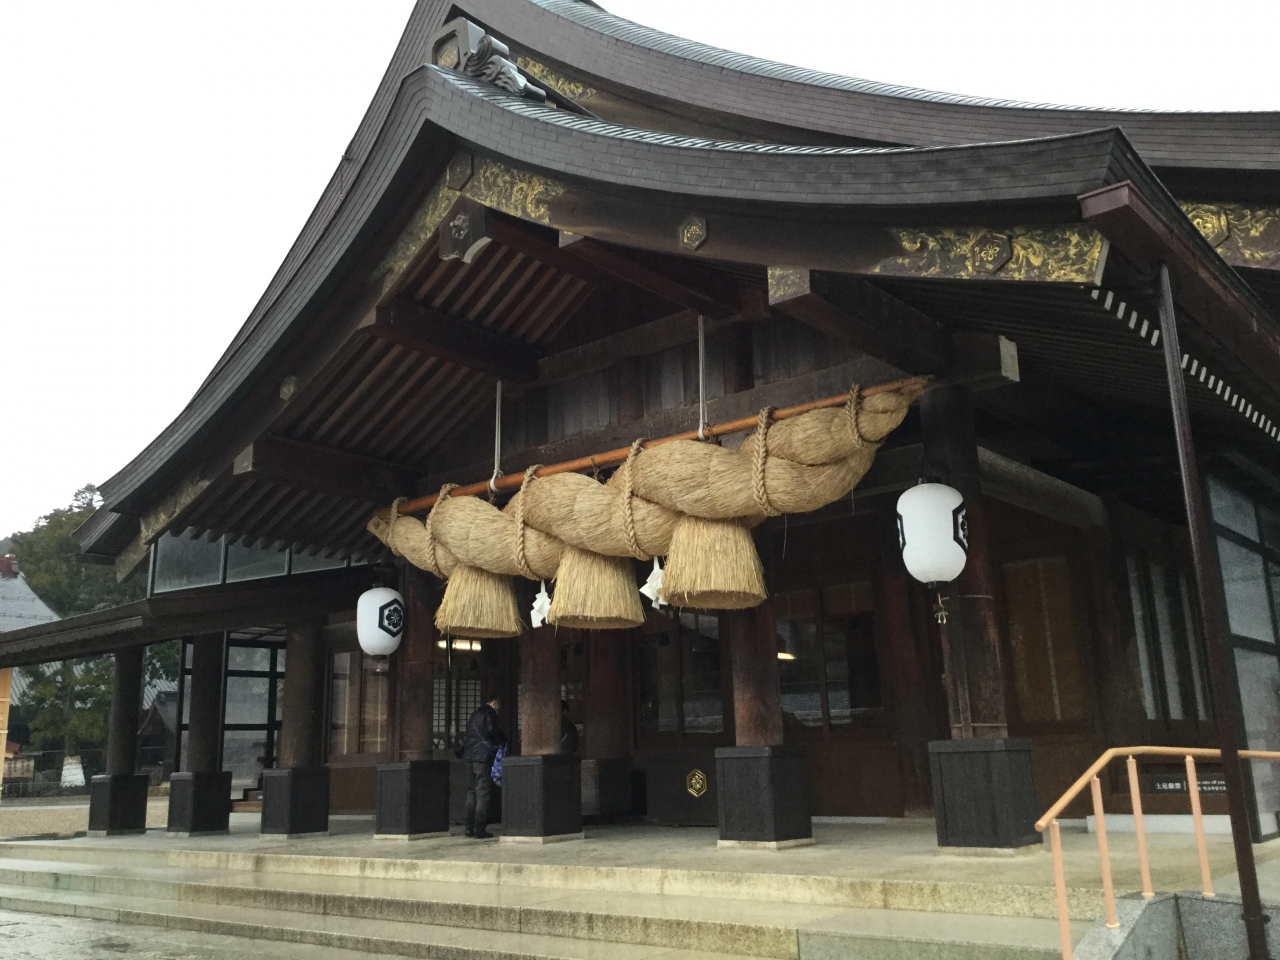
x=569, y=739
x=479, y=749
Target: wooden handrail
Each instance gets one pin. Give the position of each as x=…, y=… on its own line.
x=612, y=457
x=1080, y=785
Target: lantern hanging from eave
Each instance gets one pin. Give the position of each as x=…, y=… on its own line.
x=380, y=618
x=933, y=533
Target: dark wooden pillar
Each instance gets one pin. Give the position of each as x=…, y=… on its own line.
x=304, y=677
x=126, y=706
x=757, y=700
x=541, y=788
x=118, y=798
x=970, y=635
x=607, y=725
x=200, y=794
x=415, y=671
x=205, y=699
x=984, y=791
x=295, y=795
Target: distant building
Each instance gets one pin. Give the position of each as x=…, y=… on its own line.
x=19, y=607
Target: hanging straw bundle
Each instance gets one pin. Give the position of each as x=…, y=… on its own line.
x=595, y=593
x=713, y=565
x=479, y=604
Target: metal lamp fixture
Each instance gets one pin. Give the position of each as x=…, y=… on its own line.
x=380, y=617
x=933, y=533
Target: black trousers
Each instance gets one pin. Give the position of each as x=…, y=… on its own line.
x=479, y=791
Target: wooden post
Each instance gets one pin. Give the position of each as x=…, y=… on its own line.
x=970, y=636
x=540, y=692
x=126, y=706
x=205, y=699
x=415, y=671
x=757, y=699
x=607, y=725
x=300, y=746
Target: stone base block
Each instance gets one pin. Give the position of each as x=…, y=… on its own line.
x=295, y=802
x=606, y=788
x=199, y=803
x=118, y=804
x=542, y=796
x=763, y=796
x=558, y=838
x=412, y=799
x=764, y=844
x=681, y=789
x=984, y=793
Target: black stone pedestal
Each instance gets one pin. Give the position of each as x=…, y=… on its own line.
x=681, y=789
x=118, y=804
x=295, y=802
x=763, y=797
x=413, y=800
x=984, y=793
x=199, y=803
x=606, y=788
x=542, y=799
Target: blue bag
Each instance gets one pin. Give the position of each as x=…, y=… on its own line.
x=496, y=773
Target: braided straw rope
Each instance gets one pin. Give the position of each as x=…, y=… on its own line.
x=761, y=459
x=853, y=406
x=391, y=525
x=430, y=538
x=628, y=510
x=521, y=563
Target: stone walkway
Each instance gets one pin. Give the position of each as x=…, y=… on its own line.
x=25, y=818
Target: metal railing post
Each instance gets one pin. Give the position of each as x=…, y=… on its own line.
x=1060, y=890
x=1104, y=855
x=1135, y=794
x=1202, y=846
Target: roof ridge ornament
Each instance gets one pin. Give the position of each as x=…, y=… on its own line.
x=464, y=47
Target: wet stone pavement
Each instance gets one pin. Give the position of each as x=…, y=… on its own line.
x=31, y=936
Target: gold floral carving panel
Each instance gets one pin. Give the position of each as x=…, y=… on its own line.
x=414, y=238
x=1244, y=236
x=1072, y=253
x=518, y=193
x=573, y=89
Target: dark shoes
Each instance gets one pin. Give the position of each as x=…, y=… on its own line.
x=482, y=835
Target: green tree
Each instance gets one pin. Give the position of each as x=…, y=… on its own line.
x=65, y=704
x=55, y=569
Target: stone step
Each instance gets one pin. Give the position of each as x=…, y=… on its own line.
x=441, y=861
x=755, y=929
x=383, y=937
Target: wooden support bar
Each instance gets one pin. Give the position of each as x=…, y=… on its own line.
x=303, y=708
x=683, y=291
x=415, y=670
x=611, y=458
x=757, y=699
x=539, y=692
x=322, y=470
x=437, y=334
x=205, y=704
x=857, y=312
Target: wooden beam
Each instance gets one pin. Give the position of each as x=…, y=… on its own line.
x=859, y=313
x=304, y=466
x=684, y=291
x=437, y=334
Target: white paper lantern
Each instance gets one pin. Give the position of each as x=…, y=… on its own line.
x=380, y=617
x=933, y=532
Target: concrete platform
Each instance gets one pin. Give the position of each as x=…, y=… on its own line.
x=863, y=890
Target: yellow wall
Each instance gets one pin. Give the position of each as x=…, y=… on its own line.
x=6, y=685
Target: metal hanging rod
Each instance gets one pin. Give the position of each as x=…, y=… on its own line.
x=613, y=457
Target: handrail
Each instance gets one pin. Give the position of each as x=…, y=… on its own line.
x=1090, y=779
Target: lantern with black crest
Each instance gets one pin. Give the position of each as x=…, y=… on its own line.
x=933, y=533
x=380, y=620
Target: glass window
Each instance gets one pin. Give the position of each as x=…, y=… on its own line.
x=1270, y=527
x=247, y=700
x=703, y=703
x=248, y=658
x=658, y=663
x=1233, y=510
x=1195, y=648
x=1244, y=581
x=243, y=752
x=1142, y=639
x=305, y=563
x=252, y=563
x=183, y=562
x=1168, y=650
x=344, y=700
x=373, y=705
x=1259, y=675
x=801, y=657
x=849, y=650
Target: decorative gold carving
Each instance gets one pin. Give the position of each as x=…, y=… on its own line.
x=513, y=191
x=693, y=232
x=787, y=283
x=415, y=237
x=696, y=783
x=1067, y=254
x=573, y=89
x=1244, y=236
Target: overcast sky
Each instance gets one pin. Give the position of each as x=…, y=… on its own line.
x=158, y=158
